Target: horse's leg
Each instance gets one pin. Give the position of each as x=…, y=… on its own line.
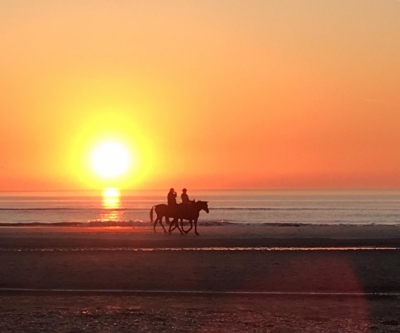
x=170, y=226
x=182, y=226
x=162, y=224
x=195, y=227
x=177, y=226
x=155, y=223
x=191, y=226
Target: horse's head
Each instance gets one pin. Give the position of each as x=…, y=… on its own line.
x=203, y=205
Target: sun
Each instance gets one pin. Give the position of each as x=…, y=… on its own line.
x=110, y=159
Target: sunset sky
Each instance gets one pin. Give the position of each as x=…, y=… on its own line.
x=202, y=94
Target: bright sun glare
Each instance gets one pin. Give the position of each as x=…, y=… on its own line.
x=110, y=159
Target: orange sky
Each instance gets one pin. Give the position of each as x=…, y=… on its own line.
x=207, y=94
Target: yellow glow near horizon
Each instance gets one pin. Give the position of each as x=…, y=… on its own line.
x=111, y=132
x=111, y=198
x=111, y=204
x=111, y=192
x=110, y=159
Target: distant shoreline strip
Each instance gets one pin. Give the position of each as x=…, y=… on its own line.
x=196, y=249
x=199, y=292
x=203, y=223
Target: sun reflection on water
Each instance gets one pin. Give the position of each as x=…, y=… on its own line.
x=111, y=205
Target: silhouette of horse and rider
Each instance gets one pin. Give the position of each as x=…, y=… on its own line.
x=187, y=210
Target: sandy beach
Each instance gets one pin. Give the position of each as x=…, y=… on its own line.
x=108, y=279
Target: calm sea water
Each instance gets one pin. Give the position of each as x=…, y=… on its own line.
x=226, y=207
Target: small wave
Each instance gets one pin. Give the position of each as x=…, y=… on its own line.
x=79, y=224
x=263, y=209
x=130, y=223
x=68, y=209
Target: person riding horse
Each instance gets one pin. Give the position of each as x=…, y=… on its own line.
x=191, y=213
x=171, y=197
x=185, y=197
x=185, y=201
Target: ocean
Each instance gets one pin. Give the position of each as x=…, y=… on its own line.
x=227, y=207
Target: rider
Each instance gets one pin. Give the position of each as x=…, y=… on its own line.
x=171, y=198
x=172, y=206
x=185, y=197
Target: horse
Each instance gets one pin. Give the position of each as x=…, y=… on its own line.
x=163, y=211
x=189, y=212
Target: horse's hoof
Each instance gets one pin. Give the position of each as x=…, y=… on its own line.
x=197, y=234
x=186, y=232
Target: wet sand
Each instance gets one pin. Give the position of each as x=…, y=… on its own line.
x=218, y=236
x=101, y=260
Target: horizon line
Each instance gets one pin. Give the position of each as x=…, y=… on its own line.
x=216, y=189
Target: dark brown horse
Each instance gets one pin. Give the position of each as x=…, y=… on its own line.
x=188, y=212
x=162, y=210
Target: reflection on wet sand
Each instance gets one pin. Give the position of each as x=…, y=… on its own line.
x=111, y=204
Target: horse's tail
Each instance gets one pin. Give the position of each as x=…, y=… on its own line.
x=151, y=214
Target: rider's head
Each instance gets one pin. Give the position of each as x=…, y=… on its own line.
x=171, y=190
x=184, y=190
